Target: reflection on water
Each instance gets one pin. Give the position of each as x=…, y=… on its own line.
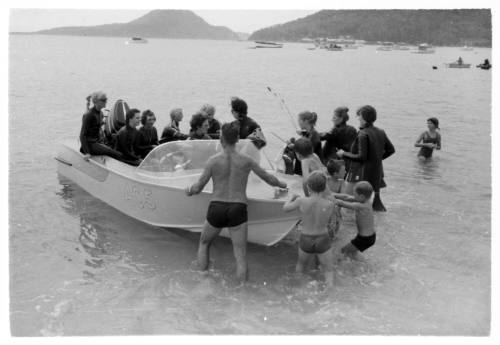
x=427, y=169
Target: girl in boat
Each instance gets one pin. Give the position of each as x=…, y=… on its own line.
x=172, y=132
x=307, y=122
x=429, y=140
x=199, y=127
x=126, y=138
x=147, y=137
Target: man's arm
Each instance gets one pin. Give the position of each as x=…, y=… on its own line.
x=264, y=175
x=203, y=180
x=292, y=204
x=438, y=145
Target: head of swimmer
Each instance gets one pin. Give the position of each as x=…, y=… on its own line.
x=303, y=148
x=230, y=134
x=366, y=115
x=363, y=191
x=239, y=108
x=133, y=118
x=307, y=120
x=432, y=124
x=148, y=118
x=316, y=182
x=99, y=99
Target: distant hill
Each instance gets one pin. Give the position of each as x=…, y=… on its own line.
x=439, y=27
x=155, y=24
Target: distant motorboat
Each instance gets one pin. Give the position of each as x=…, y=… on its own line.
x=458, y=64
x=424, y=48
x=350, y=46
x=400, y=47
x=263, y=44
x=467, y=49
x=386, y=46
x=136, y=40
x=334, y=48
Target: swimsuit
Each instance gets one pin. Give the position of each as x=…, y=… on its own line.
x=315, y=244
x=222, y=214
x=363, y=242
x=427, y=139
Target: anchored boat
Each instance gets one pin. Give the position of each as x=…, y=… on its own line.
x=154, y=192
x=136, y=40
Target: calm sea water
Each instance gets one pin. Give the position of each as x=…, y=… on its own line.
x=79, y=267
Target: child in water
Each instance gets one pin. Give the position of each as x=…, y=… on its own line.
x=309, y=161
x=360, y=203
x=430, y=139
x=334, y=182
x=316, y=214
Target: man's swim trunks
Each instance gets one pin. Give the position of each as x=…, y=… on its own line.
x=362, y=243
x=315, y=244
x=226, y=214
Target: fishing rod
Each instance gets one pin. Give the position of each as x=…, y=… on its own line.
x=283, y=106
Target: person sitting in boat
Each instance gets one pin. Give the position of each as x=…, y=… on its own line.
x=229, y=171
x=213, y=124
x=340, y=137
x=199, y=127
x=249, y=129
x=485, y=65
x=91, y=134
x=307, y=122
x=460, y=61
x=126, y=138
x=429, y=140
x=147, y=137
x=172, y=132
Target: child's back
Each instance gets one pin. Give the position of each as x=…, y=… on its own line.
x=316, y=215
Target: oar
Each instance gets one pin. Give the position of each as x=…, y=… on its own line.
x=284, y=107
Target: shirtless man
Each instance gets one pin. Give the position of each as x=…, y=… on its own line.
x=229, y=172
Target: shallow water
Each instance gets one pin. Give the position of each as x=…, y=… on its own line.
x=79, y=267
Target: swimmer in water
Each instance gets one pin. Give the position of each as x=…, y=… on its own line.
x=429, y=140
x=360, y=203
x=316, y=212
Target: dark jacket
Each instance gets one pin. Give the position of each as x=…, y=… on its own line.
x=369, y=149
x=126, y=139
x=91, y=131
x=214, y=129
x=247, y=127
x=146, y=138
x=340, y=137
x=172, y=133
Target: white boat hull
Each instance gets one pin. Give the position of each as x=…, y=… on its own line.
x=160, y=204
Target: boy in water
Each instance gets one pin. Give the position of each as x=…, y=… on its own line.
x=314, y=237
x=309, y=161
x=360, y=203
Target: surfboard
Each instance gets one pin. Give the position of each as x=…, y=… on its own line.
x=116, y=118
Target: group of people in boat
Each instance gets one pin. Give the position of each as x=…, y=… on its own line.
x=344, y=172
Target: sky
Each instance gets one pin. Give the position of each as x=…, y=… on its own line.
x=26, y=20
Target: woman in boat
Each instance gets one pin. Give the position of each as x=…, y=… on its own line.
x=91, y=135
x=213, y=124
x=249, y=129
x=370, y=147
x=126, y=138
x=341, y=136
x=429, y=140
x=171, y=132
x=199, y=127
x=307, y=122
x=147, y=137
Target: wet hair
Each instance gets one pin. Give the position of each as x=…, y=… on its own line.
x=239, y=105
x=230, y=132
x=364, y=188
x=207, y=108
x=332, y=166
x=303, y=147
x=316, y=182
x=145, y=115
x=434, y=121
x=174, y=112
x=342, y=112
x=197, y=121
x=130, y=115
x=308, y=116
x=368, y=113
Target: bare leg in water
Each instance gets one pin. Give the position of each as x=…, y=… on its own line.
x=239, y=238
x=377, y=203
x=207, y=236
